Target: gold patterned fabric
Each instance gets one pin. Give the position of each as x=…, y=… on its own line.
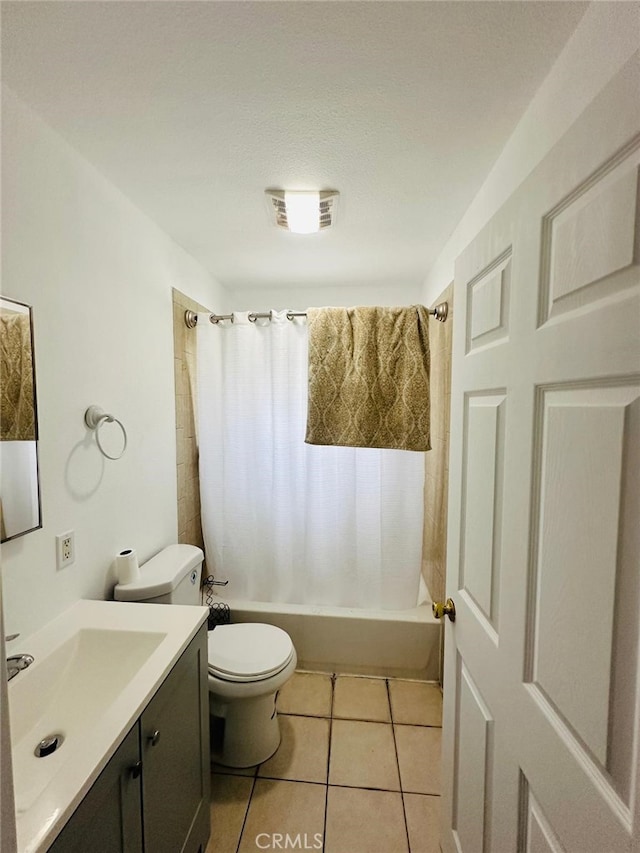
x=17, y=413
x=369, y=377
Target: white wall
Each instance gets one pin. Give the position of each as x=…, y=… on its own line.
x=7, y=808
x=263, y=299
x=604, y=40
x=99, y=276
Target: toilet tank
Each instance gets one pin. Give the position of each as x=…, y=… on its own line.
x=171, y=577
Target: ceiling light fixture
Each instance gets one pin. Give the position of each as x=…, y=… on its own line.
x=303, y=211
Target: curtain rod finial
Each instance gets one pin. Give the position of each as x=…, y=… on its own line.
x=441, y=311
x=190, y=319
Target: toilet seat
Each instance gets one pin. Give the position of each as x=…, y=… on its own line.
x=248, y=651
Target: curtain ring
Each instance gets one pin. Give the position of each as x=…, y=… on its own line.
x=254, y=315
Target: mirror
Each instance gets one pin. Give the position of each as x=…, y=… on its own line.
x=19, y=484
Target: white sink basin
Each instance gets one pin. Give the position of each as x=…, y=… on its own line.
x=96, y=667
x=67, y=693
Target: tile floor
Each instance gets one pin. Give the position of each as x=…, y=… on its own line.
x=357, y=771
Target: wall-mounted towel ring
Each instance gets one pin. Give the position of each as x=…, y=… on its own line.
x=94, y=418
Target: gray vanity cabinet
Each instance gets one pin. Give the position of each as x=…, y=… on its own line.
x=108, y=819
x=153, y=795
x=175, y=767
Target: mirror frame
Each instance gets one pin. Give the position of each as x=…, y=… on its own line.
x=35, y=413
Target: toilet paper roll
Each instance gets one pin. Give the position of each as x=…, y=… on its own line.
x=127, y=569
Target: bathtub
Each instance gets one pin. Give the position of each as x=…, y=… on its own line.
x=401, y=643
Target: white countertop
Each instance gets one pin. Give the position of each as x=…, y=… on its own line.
x=49, y=789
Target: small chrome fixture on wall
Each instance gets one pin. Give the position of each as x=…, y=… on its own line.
x=94, y=418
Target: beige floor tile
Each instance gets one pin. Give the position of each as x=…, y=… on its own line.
x=229, y=801
x=423, y=822
x=361, y=821
x=363, y=755
x=284, y=808
x=303, y=752
x=415, y=704
x=361, y=699
x=419, y=758
x=306, y=693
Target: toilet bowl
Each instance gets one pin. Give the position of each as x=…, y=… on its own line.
x=248, y=662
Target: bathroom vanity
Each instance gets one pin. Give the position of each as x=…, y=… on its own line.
x=153, y=795
x=126, y=687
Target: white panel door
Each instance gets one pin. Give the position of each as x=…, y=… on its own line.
x=541, y=748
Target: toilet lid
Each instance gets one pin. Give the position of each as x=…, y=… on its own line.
x=248, y=651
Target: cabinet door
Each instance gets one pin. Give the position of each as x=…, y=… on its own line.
x=175, y=757
x=108, y=820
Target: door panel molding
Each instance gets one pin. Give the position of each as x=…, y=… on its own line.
x=488, y=295
x=535, y=834
x=481, y=508
x=579, y=269
x=474, y=765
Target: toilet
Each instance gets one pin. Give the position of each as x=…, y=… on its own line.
x=248, y=662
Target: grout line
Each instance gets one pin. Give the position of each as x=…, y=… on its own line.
x=326, y=794
x=355, y=719
x=246, y=812
x=295, y=781
x=332, y=715
x=309, y=716
x=368, y=788
x=362, y=720
x=395, y=745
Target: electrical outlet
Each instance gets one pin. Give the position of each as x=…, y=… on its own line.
x=65, y=549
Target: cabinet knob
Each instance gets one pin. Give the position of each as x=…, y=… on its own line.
x=154, y=738
x=136, y=770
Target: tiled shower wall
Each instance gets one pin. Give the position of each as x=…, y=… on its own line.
x=184, y=344
x=434, y=543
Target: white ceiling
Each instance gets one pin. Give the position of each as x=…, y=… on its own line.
x=193, y=109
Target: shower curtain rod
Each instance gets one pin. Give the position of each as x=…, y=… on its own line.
x=440, y=312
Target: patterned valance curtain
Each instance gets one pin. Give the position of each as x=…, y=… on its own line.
x=369, y=377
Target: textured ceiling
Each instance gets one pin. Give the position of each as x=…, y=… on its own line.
x=194, y=108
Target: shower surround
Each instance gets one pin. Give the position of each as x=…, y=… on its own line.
x=405, y=643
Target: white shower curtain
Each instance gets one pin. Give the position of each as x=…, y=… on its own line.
x=286, y=521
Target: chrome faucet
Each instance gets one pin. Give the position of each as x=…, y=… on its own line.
x=16, y=663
